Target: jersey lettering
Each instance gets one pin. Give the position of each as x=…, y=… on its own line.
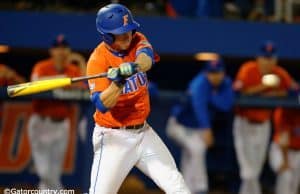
x=134, y=82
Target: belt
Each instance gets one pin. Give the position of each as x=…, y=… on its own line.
x=138, y=126
x=294, y=149
x=252, y=121
x=53, y=119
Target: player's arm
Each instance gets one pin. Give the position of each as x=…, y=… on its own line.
x=144, y=62
x=104, y=92
x=284, y=147
x=110, y=95
x=281, y=123
x=242, y=81
x=285, y=164
x=253, y=90
x=276, y=93
x=224, y=98
x=199, y=99
x=107, y=98
x=11, y=75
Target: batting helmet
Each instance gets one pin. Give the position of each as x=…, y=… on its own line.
x=114, y=19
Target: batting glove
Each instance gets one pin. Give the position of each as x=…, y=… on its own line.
x=114, y=75
x=128, y=69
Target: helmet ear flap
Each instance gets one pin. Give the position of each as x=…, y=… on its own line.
x=107, y=38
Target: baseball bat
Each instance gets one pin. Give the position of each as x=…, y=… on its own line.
x=45, y=85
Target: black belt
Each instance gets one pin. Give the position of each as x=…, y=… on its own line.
x=53, y=119
x=295, y=149
x=138, y=126
x=255, y=121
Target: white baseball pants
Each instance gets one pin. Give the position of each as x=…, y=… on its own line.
x=251, y=142
x=193, y=163
x=48, y=141
x=117, y=151
x=288, y=181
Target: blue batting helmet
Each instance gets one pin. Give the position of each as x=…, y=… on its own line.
x=114, y=19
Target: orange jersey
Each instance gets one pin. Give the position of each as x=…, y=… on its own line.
x=13, y=77
x=249, y=76
x=50, y=108
x=287, y=120
x=133, y=104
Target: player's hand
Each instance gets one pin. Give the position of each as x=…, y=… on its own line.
x=207, y=137
x=285, y=166
x=114, y=75
x=128, y=69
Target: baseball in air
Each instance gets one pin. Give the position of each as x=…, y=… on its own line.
x=271, y=80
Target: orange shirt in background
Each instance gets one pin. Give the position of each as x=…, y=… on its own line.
x=8, y=77
x=14, y=78
x=133, y=104
x=52, y=108
x=249, y=76
x=287, y=120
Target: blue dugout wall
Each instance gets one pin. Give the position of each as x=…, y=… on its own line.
x=169, y=36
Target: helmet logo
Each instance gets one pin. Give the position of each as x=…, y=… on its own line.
x=125, y=20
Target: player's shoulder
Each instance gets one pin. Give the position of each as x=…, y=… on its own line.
x=249, y=65
x=98, y=54
x=279, y=70
x=100, y=49
x=198, y=81
x=140, y=36
x=3, y=67
x=43, y=64
x=200, y=78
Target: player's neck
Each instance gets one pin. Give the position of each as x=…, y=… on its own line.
x=119, y=53
x=59, y=67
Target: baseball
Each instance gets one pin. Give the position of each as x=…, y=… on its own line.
x=271, y=80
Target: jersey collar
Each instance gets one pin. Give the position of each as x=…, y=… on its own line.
x=115, y=52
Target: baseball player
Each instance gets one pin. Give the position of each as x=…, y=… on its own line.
x=251, y=128
x=210, y=95
x=122, y=138
x=285, y=150
x=8, y=77
x=49, y=124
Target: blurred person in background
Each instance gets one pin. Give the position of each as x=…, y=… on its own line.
x=8, y=76
x=210, y=96
x=78, y=60
x=284, y=10
x=251, y=128
x=258, y=10
x=285, y=150
x=49, y=124
x=255, y=10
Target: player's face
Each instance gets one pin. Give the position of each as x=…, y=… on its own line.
x=266, y=64
x=122, y=41
x=215, y=78
x=60, y=55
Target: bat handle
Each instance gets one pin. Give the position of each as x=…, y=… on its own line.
x=83, y=78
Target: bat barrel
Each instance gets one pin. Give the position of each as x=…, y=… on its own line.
x=37, y=86
x=45, y=85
